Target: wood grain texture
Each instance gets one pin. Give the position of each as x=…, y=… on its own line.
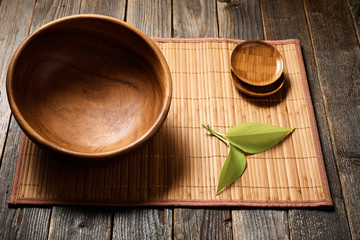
x=152, y=17
x=15, y=17
x=18, y=223
x=338, y=54
x=354, y=6
x=285, y=19
x=202, y=224
x=142, y=224
x=240, y=19
x=252, y=224
x=47, y=11
x=109, y=8
x=195, y=18
x=319, y=223
x=80, y=223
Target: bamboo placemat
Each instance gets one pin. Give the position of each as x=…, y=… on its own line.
x=182, y=163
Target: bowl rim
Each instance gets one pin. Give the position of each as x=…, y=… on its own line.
x=34, y=136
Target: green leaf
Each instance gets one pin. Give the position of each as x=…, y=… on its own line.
x=256, y=137
x=232, y=169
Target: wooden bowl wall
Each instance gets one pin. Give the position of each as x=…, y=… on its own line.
x=89, y=86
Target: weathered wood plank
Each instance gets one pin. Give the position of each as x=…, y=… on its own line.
x=18, y=223
x=105, y=7
x=240, y=19
x=154, y=19
x=71, y=223
x=343, y=56
x=287, y=19
x=260, y=224
x=151, y=17
x=15, y=18
x=85, y=223
x=141, y=223
x=46, y=11
x=80, y=223
x=354, y=6
x=338, y=59
x=202, y=224
x=320, y=223
x=24, y=223
x=195, y=19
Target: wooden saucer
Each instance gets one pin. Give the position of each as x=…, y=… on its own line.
x=257, y=63
x=257, y=91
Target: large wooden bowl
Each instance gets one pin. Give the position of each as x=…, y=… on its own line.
x=89, y=86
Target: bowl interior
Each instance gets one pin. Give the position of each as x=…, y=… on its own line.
x=89, y=85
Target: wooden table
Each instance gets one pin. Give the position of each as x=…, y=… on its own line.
x=329, y=32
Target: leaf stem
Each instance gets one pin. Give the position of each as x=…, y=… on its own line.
x=216, y=134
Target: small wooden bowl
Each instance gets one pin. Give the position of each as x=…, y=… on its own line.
x=256, y=91
x=89, y=86
x=257, y=63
